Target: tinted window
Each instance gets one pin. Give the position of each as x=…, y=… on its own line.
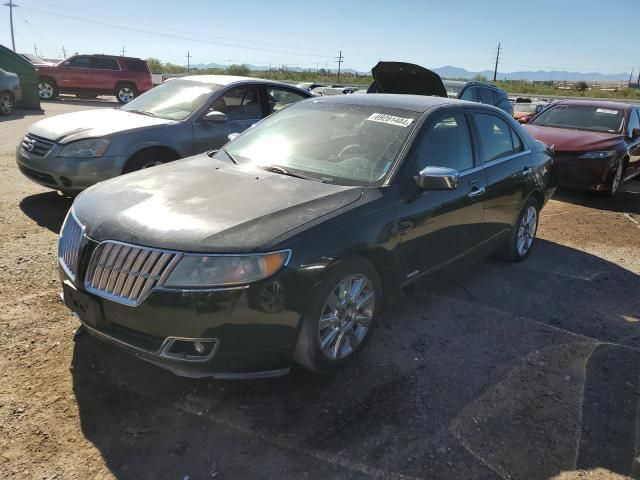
x=518, y=144
x=446, y=144
x=634, y=122
x=280, y=98
x=80, y=62
x=241, y=103
x=470, y=94
x=105, y=63
x=486, y=96
x=495, y=136
x=136, y=65
x=582, y=117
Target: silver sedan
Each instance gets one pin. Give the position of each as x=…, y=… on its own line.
x=181, y=117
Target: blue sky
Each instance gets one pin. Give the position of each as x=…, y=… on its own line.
x=574, y=35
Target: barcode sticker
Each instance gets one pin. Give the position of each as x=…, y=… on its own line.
x=390, y=119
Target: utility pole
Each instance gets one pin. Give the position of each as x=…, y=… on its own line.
x=11, y=6
x=340, y=60
x=639, y=78
x=35, y=49
x=495, y=70
x=123, y=51
x=631, y=76
x=64, y=52
x=188, y=61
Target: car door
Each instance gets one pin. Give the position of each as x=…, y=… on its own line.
x=75, y=74
x=439, y=226
x=243, y=105
x=508, y=167
x=633, y=166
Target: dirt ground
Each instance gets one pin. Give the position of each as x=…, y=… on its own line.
x=496, y=371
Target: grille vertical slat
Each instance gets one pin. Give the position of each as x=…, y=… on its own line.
x=69, y=244
x=126, y=273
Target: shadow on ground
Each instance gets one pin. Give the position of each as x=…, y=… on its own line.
x=47, y=209
x=21, y=113
x=496, y=371
x=626, y=200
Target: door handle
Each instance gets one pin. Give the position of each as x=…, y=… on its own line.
x=476, y=192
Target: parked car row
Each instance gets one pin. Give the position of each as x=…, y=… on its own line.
x=10, y=91
x=281, y=245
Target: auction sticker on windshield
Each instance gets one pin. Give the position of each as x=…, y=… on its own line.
x=390, y=119
x=604, y=110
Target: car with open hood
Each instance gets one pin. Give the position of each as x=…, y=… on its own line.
x=482, y=92
x=283, y=245
x=596, y=143
x=179, y=118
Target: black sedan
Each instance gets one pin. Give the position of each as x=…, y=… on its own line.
x=283, y=245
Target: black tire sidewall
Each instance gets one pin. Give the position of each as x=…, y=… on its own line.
x=307, y=351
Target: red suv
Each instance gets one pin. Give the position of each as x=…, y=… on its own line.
x=91, y=75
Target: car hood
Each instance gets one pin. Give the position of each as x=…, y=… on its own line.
x=407, y=78
x=69, y=127
x=202, y=204
x=568, y=140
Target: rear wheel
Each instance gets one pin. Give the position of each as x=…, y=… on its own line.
x=47, y=89
x=6, y=103
x=523, y=233
x=340, y=317
x=125, y=93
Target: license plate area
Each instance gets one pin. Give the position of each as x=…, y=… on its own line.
x=87, y=308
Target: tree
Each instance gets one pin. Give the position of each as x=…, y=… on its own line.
x=241, y=70
x=155, y=65
x=480, y=78
x=582, y=86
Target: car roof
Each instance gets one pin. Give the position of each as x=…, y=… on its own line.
x=225, y=80
x=597, y=103
x=415, y=103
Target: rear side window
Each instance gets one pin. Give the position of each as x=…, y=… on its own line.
x=105, y=63
x=486, y=96
x=447, y=144
x=80, y=62
x=470, y=94
x=136, y=65
x=497, y=138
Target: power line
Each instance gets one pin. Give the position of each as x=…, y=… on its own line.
x=176, y=37
x=11, y=6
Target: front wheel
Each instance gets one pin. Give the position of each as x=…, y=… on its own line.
x=523, y=233
x=6, y=103
x=125, y=93
x=340, y=317
x=616, y=180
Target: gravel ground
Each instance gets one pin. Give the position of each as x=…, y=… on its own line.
x=496, y=371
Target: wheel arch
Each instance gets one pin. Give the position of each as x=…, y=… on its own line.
x=148, y=149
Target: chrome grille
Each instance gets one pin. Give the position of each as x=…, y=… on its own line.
x=36, y=145
x=126, y=273
x=69, y=244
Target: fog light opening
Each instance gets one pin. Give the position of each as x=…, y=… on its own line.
x=199, y=347
x=190, y=349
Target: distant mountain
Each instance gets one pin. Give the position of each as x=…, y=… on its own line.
x=456, y=72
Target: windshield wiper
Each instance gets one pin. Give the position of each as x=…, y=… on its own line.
x=231, y=157
x=284, y=171
x=143, y=112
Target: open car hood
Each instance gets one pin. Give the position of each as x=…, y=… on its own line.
x=408, y=78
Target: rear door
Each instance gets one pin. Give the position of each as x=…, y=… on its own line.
x=508, y=169
x=439, y=226
x=243, y=106
x=103, y=73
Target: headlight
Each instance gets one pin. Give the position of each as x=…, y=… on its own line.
x=195, y=270
x=85, y=148
x=599, y=155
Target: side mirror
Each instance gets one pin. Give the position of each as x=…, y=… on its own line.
x=437, y=178
x=233, y=136
x=635, y=133
x=215, y=117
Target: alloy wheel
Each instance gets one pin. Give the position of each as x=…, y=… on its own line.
x=45, y=90
x=346, y=317
x=125, y=94
x=6, y=104
x=527, y=230
x=617, y=178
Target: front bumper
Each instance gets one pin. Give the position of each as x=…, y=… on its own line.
x=587, y=174
x=68, y=174
x=253, y=338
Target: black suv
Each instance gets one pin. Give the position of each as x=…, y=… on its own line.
x=480, y=92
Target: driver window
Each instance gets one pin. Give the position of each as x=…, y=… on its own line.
x=80, y=62
x=447, y=144
x=241, y=103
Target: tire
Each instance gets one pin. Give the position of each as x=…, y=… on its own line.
x=6, y=103
x=125, y=92
x=523, y=234
x=146, y=159
x=340, y=331
x=47, y=89
x=616, y=179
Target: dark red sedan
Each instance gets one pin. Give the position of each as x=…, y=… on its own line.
x=597, y=143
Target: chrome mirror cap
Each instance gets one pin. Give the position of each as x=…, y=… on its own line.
x=437, y=178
